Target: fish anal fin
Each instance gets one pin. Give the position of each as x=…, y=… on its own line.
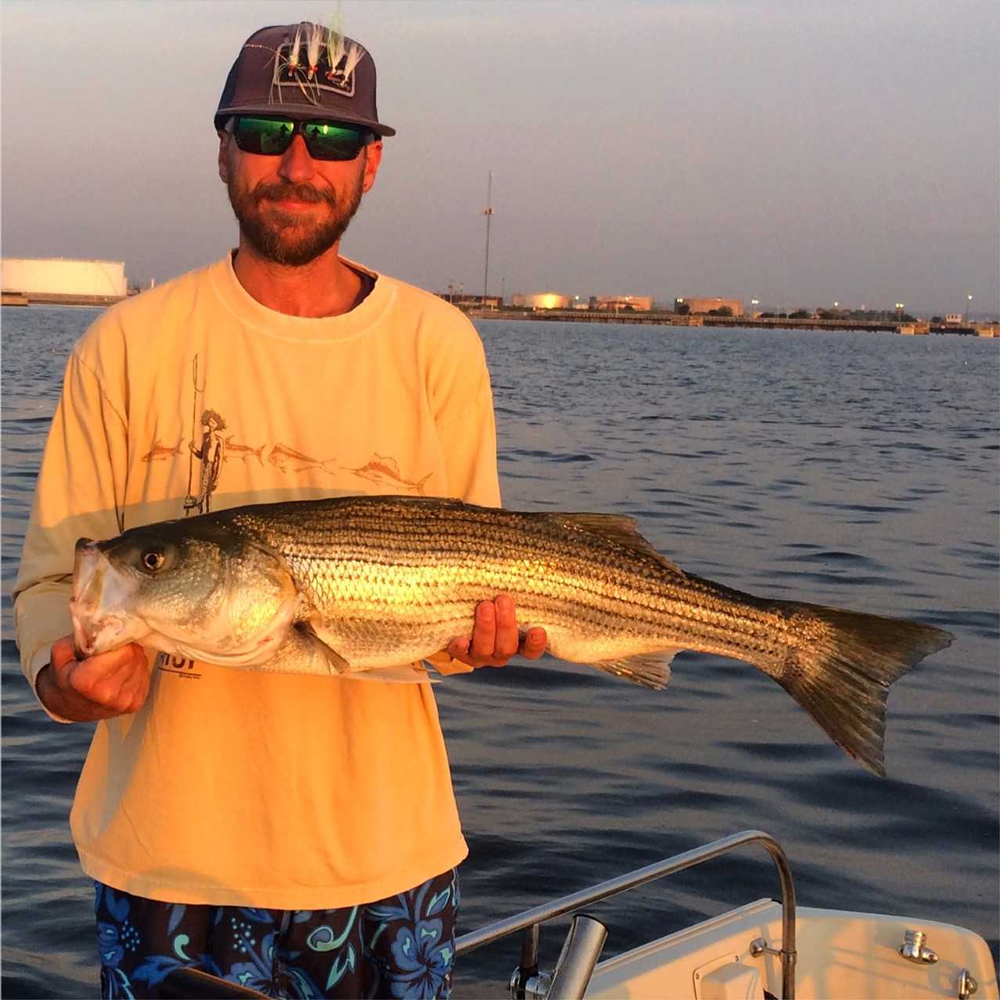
x=617, y=528
x=651, y=670
x=403, y=673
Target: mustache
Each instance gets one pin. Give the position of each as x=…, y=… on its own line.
x=299, y=192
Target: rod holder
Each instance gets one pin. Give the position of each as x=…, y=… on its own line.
x=527, y=969
x=579, y=955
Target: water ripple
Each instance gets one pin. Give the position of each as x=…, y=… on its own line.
x=850, y=469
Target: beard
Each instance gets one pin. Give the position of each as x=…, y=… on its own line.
x=292, y=239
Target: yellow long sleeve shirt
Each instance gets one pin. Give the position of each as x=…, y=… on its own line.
x=232, y=787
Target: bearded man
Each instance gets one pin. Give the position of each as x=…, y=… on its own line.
x=296, y=834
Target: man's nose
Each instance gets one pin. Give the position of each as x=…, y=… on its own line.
x=296, y=163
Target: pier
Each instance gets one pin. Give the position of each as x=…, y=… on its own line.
x=59, y=299
x=737, y=322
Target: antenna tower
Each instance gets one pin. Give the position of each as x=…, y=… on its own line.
x=488, y=212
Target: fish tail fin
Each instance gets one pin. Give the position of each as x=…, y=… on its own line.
x=841, y=671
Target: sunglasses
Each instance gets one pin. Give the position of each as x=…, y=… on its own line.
x=267, y=136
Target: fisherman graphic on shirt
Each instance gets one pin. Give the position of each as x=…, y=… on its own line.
x=211, y=453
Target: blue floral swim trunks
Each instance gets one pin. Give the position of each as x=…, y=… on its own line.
x=400, y=947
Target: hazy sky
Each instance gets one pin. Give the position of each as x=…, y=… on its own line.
x=796, y=151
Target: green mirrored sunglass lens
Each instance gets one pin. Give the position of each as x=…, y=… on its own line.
x=332, y=140
x=264, y=135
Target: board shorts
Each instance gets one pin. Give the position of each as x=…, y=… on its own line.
x=399, y=947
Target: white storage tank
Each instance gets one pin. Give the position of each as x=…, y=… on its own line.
x=55, y=279
x=541, y=300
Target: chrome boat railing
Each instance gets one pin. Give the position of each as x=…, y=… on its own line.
x=530, y=920
x=586, y=936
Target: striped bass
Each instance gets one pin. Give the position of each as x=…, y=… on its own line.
x=354, y=584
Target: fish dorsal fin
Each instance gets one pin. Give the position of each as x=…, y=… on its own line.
x=617, y=528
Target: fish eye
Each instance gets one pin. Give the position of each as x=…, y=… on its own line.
x=152, y=560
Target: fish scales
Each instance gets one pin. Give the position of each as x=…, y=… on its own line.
x=356, y=584
x=481, y=563
x=496, y=562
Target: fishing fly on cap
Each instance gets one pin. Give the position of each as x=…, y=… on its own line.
x=304, y=71
x=298, y=62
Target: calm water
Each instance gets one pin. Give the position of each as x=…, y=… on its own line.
x=851, y=469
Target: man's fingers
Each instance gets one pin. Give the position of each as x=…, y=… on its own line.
x=99, y=683
x=484, y=631
x=534, y=643
x=127, y=656
x=133, y=693
x=459, y=648
x=141, y=693
x=495, y=636
x=112, y=679
x=507, y=638
x=62, y=652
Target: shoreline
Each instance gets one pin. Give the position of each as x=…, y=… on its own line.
x=986, y=330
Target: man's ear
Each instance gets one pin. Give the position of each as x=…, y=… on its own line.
x=373, y=157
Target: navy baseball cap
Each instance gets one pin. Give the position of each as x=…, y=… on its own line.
x=305, y=72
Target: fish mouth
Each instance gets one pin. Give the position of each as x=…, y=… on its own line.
x=99, y=602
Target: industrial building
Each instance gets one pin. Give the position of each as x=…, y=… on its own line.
x=622, y=303
x=541, y=300
x=703, y=307
x=66, y=282
x=464, y=301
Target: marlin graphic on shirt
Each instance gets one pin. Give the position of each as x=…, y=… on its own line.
x=289, y=460
x=384, y=471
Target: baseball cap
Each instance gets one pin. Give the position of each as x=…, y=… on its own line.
x=303, y=71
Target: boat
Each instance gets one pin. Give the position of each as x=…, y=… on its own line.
x=763, y=950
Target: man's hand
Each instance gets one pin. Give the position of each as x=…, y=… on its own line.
x=495, y=638
x=96, y=687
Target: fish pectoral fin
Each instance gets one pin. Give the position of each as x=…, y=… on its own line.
x=338, y=665
x=651, y=670
x=302, y=652
x=312, y=626
x=324, y=642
